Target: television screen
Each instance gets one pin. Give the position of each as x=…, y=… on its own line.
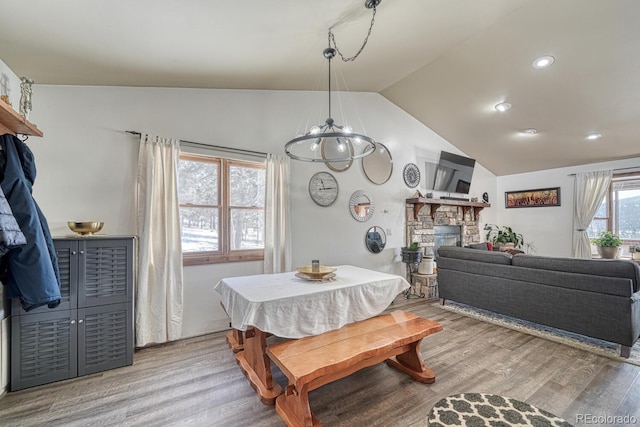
x=453, y=173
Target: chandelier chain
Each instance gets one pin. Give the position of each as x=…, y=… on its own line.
x=332, y=41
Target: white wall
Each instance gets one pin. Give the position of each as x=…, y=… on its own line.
x=549, y=228
x=86, y=168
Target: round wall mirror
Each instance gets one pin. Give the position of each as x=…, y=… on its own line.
x=332, y=150
x=361, y=206
x=375, y=239
x=378, y=165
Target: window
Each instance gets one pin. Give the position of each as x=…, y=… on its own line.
x=221, y=209
x=620, y=211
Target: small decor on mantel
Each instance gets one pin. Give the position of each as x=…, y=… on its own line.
x=607, y=244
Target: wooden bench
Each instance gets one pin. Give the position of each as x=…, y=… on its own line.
x=314, y=361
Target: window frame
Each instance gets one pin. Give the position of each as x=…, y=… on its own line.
x=224, y=254
x=614, y=214
x=612, y=210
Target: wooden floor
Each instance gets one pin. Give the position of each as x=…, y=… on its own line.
x=197, y=382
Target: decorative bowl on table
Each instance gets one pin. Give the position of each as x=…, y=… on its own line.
x=85, y=228
x=322, y=273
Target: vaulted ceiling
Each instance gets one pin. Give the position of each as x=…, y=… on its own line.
x=445, y=62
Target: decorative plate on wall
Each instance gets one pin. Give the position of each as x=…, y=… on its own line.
x=411, y=175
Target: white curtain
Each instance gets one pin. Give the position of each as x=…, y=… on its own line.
x=158, y=308
x=590, y=190
x=277, y=245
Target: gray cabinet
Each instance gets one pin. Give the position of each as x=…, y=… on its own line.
x=92, y=328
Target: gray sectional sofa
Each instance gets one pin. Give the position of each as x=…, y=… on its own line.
x=594, y=297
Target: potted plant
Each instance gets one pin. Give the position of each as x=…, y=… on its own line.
x=636, y=253
x=504, y=237
x=412, y=254
x=607, y=244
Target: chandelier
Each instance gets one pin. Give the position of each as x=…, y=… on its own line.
x=331, y=142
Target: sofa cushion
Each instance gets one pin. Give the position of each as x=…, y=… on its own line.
x=491, y=257
x=483, y=246
x=595, y=267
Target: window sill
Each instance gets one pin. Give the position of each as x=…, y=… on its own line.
x=203, y=259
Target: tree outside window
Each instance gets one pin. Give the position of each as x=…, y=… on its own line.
x=221, y=209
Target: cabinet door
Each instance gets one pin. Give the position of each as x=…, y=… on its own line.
x=67, y=253
x=105, y=272
x=105, y=337
x=43, y=348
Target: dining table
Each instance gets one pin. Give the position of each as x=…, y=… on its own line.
x=289, y=306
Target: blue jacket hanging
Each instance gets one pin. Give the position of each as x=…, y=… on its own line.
x=31, y=270
x=10, y=234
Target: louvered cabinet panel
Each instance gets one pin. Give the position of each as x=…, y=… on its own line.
x=67, y=254
x=105, y=341
x=92, y=329
x=43, y=348
x=106, y=272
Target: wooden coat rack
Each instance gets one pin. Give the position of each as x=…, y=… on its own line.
x=14, y=123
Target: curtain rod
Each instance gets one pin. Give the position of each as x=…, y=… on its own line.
x=217, y=147
x=616, y=170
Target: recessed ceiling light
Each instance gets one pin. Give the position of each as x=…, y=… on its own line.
x=593, y=136
x=529, y=132
x=502, y=107
x=543, y=62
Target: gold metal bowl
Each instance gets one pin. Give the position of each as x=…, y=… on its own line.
x=322, y=271
x=85, y=227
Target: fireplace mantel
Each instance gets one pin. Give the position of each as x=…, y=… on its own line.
x=419, y=202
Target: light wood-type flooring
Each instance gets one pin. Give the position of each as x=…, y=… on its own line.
x=196, y=382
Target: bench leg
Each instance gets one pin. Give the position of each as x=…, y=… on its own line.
x=410, y=362
x=293, y=408
x=256, y=366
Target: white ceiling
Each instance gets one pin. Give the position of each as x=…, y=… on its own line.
x=446, y=62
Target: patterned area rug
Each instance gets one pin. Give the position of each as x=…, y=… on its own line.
x=477, y=410
x=593, y=345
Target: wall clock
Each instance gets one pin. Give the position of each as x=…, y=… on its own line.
x=411, y=175
x=323, y=189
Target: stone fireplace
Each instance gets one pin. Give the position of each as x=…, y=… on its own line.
x=435, y=222
x=446, y=235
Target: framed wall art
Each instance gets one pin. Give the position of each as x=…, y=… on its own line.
x=532, y=198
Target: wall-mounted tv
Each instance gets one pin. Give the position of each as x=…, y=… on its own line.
x=453, y=173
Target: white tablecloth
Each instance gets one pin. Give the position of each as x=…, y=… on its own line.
x=290, y=307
